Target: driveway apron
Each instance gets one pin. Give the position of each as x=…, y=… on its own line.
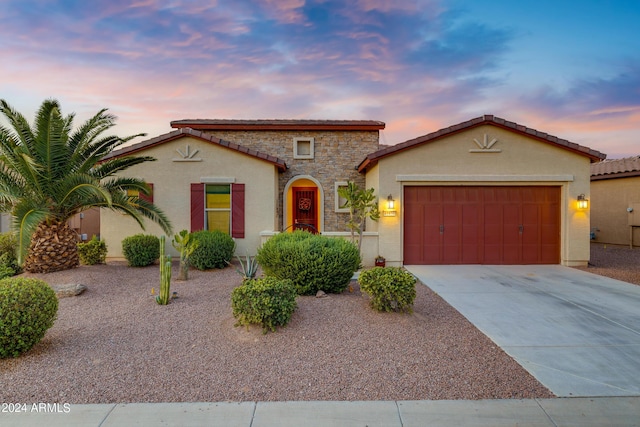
x=576, y=332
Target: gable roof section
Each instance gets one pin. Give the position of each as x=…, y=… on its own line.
x=373, y=158
x=334, y=125
x=176, y=134
x=616, y=168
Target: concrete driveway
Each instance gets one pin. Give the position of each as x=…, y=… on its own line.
x=576, y=332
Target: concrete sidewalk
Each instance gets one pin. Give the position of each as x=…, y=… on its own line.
x=607, y=411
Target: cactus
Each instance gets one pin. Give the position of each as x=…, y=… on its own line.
x=185, y=244
x=165, y=276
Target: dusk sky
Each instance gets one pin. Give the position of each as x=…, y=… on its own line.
x=568, y=68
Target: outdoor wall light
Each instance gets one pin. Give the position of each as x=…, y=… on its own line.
x=583, y=203
x=390, y=208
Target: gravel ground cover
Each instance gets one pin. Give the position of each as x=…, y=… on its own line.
x=114, y=344
x=615, y=261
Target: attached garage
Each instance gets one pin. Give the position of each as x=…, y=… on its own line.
x=481, y=225
x=485, y=191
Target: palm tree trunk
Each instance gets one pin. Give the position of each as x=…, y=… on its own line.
x=53, y=248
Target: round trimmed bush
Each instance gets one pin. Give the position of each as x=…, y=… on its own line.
x=8, y=260
x=215, y=250
x=390, y=288
x=92, y=252
x=141, y=250
x=267, y=301
x=28, y=307
x=311, y=261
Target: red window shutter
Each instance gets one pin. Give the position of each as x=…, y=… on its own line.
x=237, y=210
x=149, y=197
x=197, y=207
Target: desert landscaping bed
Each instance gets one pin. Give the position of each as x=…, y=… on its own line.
x=113, y=343
x=616, y=261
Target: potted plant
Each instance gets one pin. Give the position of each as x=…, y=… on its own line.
x=380, y=261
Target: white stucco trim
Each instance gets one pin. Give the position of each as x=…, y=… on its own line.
x=217, y=180
x=485, y=178
x=336, y=196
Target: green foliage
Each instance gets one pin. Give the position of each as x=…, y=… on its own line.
x=8, y=261
x=312, y=261
x=28, y=307
x=215, y=250
x=92, y=252
x=141, y=249
x=165, y=275
x=362, y=204
x=185, y=243
x=49, y=171
x=268, y=302
x=248, y=267
x=390, y=288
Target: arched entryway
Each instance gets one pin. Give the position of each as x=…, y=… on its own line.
x=303, y=204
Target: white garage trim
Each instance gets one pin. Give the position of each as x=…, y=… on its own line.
x=485, y=178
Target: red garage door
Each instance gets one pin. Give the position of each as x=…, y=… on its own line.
x=482, y=225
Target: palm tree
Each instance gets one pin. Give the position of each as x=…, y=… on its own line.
x=50, y=172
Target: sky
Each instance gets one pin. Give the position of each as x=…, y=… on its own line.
x=568, y=68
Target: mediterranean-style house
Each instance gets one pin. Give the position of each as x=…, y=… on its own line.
x=485, y=191
x=615, y=197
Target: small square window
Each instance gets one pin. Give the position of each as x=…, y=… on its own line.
x=303, y=148
x=340, y=201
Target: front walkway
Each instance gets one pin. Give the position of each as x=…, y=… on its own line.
x=576, y=332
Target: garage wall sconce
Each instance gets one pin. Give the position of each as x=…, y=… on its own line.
x=583, y=203
x=390, y=208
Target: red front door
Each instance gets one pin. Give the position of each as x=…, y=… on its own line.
x=305, y=209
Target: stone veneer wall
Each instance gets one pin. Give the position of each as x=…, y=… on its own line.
x=336, y=156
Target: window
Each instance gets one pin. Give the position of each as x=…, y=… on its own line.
x=136, y=193
x=303, y=148
x=340, y=201
x=218, y=207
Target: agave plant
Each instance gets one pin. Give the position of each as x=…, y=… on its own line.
x=49, y=172
x=248, y=267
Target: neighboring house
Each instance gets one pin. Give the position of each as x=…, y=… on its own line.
x=86, y=224
x=485, y=191
x=5, y=223
x=615, y=201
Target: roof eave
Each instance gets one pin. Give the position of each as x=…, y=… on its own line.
x=144, y=145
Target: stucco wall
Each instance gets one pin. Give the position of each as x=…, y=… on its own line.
x=521, y=161
x=336, y=156
x=171, y=180
x=610, y=199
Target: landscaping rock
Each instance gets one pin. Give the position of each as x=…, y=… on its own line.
x=321, y=294
x=68, y=290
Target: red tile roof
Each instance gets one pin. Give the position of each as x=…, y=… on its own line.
x=373, y=158
x=224, y=124
x=616, y=168
x=277, y=162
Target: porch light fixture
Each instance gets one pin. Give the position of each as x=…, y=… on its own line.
x=390, y=208
x=583, y=203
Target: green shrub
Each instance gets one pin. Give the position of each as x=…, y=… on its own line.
x=267, y=301
x=215, y=250
x=92, y=252
x=28, y=307
x=8, y=260
x=141, y=249
x=390, y=288
x=312, y=261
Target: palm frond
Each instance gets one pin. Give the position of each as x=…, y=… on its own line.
x=118, y=164
x=26, y=218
